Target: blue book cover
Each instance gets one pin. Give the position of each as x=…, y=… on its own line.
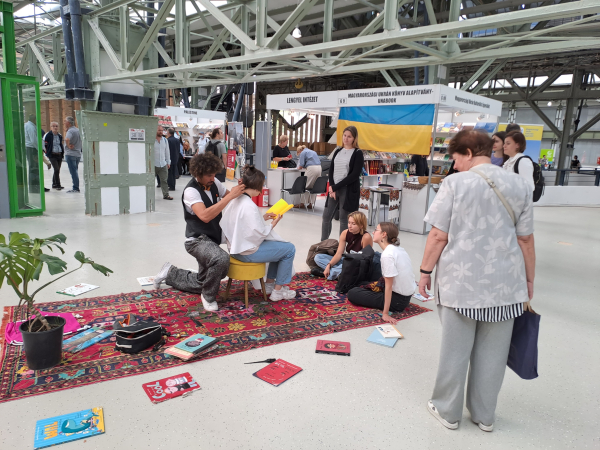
x=68, y=427
x=195, y=343
x=377, y=338
x=85, y=339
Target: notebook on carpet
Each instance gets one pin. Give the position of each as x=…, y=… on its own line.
x=68, y=427
x=78, y=289
x=377, y=338
x=333, y=347
x=170, y=387
x=278, y=372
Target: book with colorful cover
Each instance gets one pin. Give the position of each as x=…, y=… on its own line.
x=389, y=331
x=377, y=338
x=84, y=339
x=68, y=427
x=280, y=208
x=78, y=289
x=194, y=344
x=333, y=347
x=278, y=372
x=185, y=355
x=167, y=388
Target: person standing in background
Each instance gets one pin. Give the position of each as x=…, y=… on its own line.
x=174, y=156
x=421, y=167
x=514, y=146
x=309, y=160
x=72, y=151
x=281, y=153
x=202, y=143
x=33, y=161
x=162, y=161
x=512, y=127
x=217, y=148
x=498, y=156
x=55, y=151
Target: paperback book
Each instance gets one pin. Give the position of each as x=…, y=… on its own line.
x=146, y=281
x=278, y=372
x=280, y=208
x=176, y=386
x=78, y=289
x=389, y=331
x=68, y=427
x=85, y=339
x=333, y=347
x=377, y=338
x=186, y=356
x=191, y=347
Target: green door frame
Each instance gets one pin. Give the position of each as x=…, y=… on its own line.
x=5, y=80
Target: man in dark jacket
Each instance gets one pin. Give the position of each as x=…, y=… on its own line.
x=55, y=151
x=174, y=154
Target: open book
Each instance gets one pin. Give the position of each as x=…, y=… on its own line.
x=280, y=208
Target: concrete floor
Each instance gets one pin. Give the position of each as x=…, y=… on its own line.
x=376, y=399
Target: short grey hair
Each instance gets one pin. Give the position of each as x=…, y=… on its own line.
x=171, y=131
x=70, y=120
x=53, y=123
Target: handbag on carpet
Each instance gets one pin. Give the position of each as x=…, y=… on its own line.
x=328, y=246
x=134, y=337
x=523, y=353
x=356, y=268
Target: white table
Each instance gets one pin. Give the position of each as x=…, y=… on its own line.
x=278, y=179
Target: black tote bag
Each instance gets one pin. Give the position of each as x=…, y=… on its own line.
x=523, y=353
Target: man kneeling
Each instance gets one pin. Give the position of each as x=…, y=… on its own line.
x=204, y=198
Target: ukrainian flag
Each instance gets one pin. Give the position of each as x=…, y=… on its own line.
x=390, y=128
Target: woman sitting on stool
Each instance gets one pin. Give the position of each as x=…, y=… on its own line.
x=251, y=239
x=393, y=295
x=355, y=238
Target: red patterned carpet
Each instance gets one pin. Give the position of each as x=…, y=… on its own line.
x=317, y=310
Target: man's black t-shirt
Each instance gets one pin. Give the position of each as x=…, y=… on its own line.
x=279, y=152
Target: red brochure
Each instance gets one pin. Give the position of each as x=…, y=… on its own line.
x=171, y=387
x=278, y=372
x=333, y=347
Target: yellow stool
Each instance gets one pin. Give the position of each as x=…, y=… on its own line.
x=245, y=272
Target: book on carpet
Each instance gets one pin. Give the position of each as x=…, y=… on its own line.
x=78, y=289
x=377, y=338
x=185, y=355
x=278, y=372
x=146, y=281
x=68, y=427
x=280, y=208
x=84, y=339
x=167, y=388
x=196, y=343
x=333, y=347
x=389, y=331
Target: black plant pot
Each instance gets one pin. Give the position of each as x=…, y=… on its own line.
x=43, y=349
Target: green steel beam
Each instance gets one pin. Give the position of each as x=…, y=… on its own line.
x=388, y=78
x=114, y=58
x=490, y=75
x=229, y=24
x=327, y=25
x=476, y=75
x=390, y=15
x=290, y=23
x=44, y=67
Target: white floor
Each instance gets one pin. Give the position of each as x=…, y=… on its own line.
x=373, y=400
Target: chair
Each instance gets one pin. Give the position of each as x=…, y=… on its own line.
x=320, y=187
x=245, y=272
x=299, y=187
x=385, y=201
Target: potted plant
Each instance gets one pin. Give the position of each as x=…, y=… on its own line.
x=21, y=262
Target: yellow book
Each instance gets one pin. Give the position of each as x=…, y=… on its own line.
x=280, y=208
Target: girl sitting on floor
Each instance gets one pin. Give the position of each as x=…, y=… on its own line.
x=355, y=238
x=394, y=290
x=251, y=239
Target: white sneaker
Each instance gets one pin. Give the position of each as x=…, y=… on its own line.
x=212, y=306
x=434, y=412
x=162, y=275
x=488, y=428
x=269, y=287
x=282, y=294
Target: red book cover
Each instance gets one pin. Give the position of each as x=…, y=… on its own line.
x=278, y=372
x=171, y=387
x=333, y=347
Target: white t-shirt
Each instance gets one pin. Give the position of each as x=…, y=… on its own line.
x=395, y=263
x=191, y=196
x=525, y=169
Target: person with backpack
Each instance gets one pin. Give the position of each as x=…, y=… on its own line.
x=514, y=146
x=217, y=148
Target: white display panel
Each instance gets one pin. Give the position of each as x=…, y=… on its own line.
x=137, y=199
x=109, y=198
x=137, y=157
x=109, y=157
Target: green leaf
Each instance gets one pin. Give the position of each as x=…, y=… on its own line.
x=1, y=278
x=79, y=256
x=38, y=270
x=55, y=264
x=2, y=239
x=6, y=252
x=103, y=270
x=57, y=238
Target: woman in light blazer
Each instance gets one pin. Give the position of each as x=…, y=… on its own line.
x=484, y=256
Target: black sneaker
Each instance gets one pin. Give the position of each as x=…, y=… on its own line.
x=317, y=272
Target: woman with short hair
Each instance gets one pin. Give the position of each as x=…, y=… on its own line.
x=344, y=182
x=514, y=146
x=498, y=156
x=355, y=238
x=281, y=153
x=484, y=256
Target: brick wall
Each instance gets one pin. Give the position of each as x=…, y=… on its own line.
x=56, y=111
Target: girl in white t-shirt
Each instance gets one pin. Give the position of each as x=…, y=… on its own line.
x=394, y=290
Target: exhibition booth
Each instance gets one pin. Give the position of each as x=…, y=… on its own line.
x=394, y=124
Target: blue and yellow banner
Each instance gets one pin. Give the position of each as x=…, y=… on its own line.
x=390, y=128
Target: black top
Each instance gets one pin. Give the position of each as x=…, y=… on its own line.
x=196, y=227
x=173, y=149
x=48, y=139
x=279, y=152
x=421, y=166
x=351, y=182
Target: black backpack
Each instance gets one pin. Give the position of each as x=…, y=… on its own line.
x=538, y=178
x=356, y=268
x=211, y=147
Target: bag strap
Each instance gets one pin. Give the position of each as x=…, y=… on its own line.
x=489, y=181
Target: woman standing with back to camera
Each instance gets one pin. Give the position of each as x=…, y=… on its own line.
x=344, y=182
x=483, y=252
